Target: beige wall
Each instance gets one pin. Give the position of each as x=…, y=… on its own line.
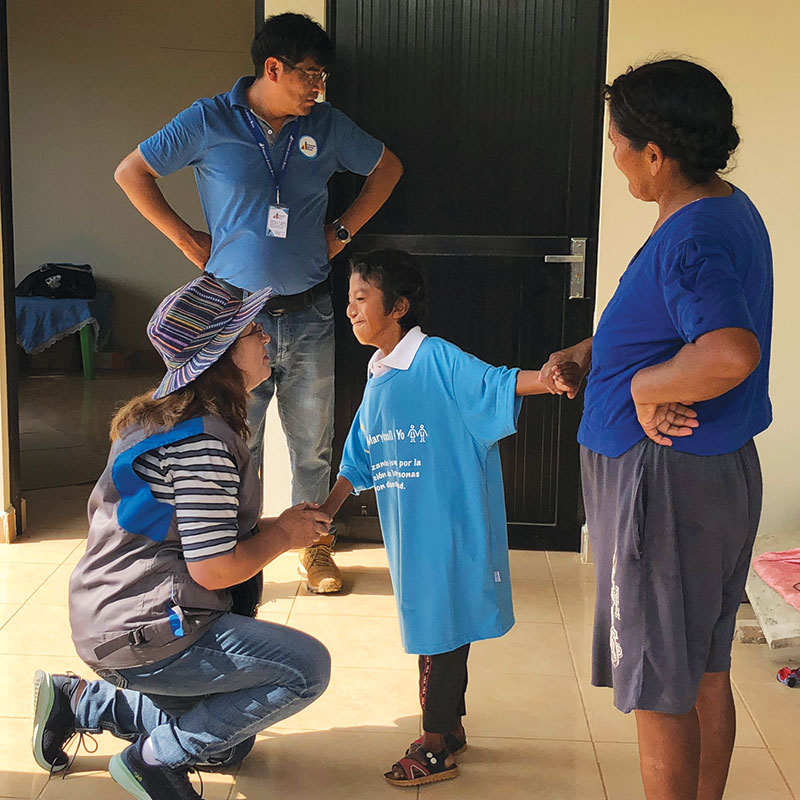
x=314, y=8
x=89, y=80
x=753, y=49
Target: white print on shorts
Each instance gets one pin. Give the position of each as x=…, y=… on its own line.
x=616, y=647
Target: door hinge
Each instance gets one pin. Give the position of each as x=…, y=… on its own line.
x=577, y=260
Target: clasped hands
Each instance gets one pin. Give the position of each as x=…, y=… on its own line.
x=304, y=523
x=659, y=421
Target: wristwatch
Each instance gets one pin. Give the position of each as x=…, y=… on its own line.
x=342, y=233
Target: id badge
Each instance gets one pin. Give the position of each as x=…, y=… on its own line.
x=277, y=221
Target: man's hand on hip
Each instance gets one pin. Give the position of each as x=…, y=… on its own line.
x=335, y=246
x=196, y=247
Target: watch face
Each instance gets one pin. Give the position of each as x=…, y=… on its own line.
x=343, y=234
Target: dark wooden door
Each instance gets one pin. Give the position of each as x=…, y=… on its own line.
x=494, y=107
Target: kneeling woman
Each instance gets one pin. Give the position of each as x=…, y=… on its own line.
x=175, y=546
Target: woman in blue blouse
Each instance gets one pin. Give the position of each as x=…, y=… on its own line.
x=676, y=392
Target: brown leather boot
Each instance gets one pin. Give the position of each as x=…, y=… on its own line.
x=317, y=566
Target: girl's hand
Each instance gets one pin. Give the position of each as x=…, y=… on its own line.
x=567, y=377
x=304, y=523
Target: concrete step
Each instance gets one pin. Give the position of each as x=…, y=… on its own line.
x=779, y=621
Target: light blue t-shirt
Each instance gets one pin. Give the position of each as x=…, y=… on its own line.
x=426, y=439
x=236, y=188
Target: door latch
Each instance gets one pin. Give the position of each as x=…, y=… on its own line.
x=577, y=260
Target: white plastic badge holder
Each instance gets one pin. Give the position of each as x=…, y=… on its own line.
x=278, y=221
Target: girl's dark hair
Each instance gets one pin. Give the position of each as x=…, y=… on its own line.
x=397, y=275
x=680, y=106
x=292, y=37
x=219, y=390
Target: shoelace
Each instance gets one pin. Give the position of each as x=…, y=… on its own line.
x=321, y=555
x=83, y=740
x=199, y=778
x=83, y=737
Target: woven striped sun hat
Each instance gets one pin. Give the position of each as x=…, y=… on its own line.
x=196, y=324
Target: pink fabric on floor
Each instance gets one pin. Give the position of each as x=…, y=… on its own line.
x=781, y=571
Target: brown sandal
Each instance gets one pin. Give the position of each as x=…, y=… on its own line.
x=421, y=766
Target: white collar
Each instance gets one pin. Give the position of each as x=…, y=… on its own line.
x=400, y=358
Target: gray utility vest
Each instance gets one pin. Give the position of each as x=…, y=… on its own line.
x=131, y=599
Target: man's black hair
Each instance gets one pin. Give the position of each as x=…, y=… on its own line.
x=397, y=275
x=293, y=37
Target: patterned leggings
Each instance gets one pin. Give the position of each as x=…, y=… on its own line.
x=442, y=687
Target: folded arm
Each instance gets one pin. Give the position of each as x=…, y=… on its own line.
x=714, y=364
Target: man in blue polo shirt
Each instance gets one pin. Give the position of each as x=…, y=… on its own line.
x=262, y=155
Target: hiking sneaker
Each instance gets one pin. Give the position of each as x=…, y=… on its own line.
x=145, y=782
x=317, y=566
x=53, y=720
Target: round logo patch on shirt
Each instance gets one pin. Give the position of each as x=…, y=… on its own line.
x=308, y=146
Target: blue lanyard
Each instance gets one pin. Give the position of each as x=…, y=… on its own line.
x=261, y=141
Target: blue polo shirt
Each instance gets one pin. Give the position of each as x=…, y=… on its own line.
x=236, y=188
x=709, y=266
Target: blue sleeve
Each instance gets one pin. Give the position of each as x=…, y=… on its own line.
x=181, y=142
x=355, y=464
x=702, y=290
x=356, y=150
x=486, y=397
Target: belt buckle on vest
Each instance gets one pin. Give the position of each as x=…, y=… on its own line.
x=137, y=637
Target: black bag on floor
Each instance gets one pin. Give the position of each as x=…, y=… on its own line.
x=58, y=282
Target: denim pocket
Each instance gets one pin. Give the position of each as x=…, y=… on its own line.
x=323, y=308
x=113, y=677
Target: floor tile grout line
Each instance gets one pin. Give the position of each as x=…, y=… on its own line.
x=294, y=600
x=574, y=661
x=764, y=739
x=24, y=602
x=750, y=714
x=379, y=730
x=235, y=777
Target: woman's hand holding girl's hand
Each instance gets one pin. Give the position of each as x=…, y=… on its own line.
x=561, y=376
x=304, y=523
x=564, y=371
x=567, y=377
x=667, y=419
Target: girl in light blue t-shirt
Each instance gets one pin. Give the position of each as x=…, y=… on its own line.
x=425, y=438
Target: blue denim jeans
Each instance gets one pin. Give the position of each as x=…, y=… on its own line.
x=205, y=704
x=302, y=354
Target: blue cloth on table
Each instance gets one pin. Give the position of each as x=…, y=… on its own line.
x=42, y=321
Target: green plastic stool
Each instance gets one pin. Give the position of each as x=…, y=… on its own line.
x=87, y=352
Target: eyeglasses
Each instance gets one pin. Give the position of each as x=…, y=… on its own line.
x=258, y=330
x=312, y=76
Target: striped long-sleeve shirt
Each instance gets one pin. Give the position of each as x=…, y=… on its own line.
x=199, y=477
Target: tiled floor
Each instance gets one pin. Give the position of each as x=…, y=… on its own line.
x=536, y=727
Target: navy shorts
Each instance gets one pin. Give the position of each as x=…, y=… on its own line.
x=672, y=536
